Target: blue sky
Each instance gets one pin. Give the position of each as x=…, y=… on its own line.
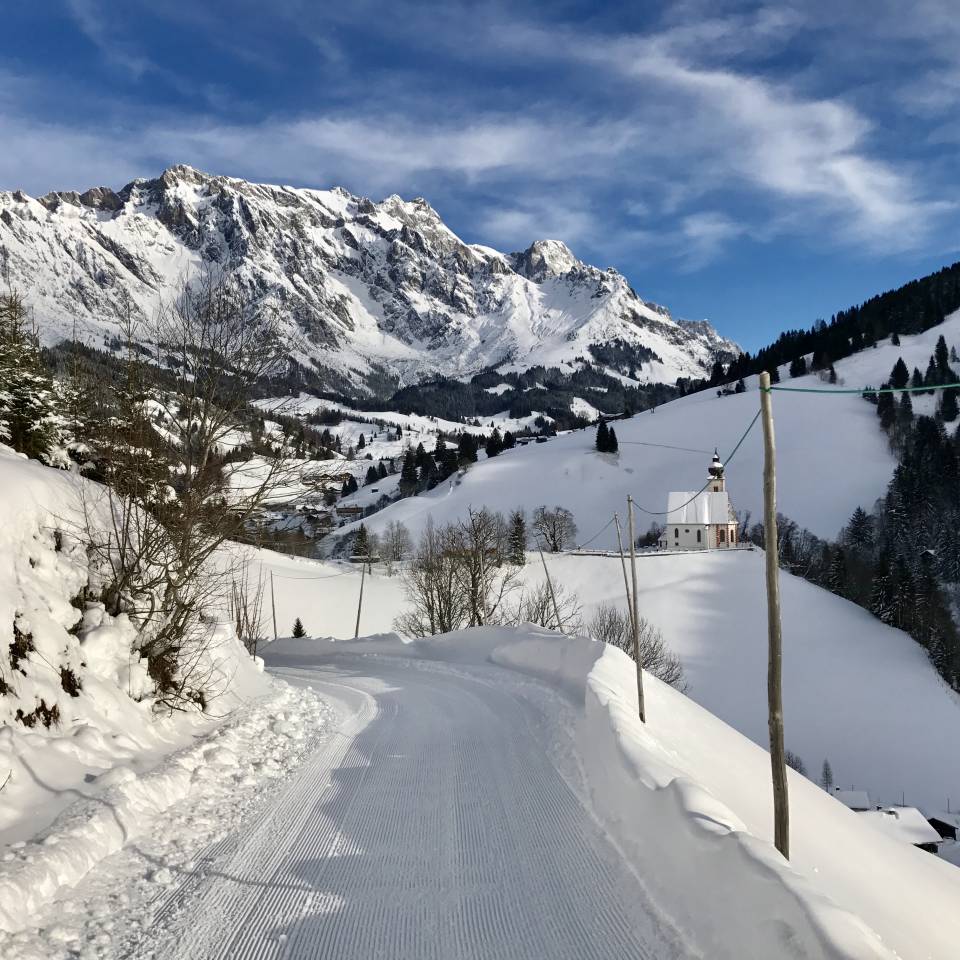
x=757, y=165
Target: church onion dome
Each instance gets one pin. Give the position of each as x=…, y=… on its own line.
x=716, y=467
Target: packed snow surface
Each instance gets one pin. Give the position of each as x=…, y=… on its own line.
x=493, y=793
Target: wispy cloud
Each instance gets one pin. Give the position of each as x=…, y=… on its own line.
x=94, y=23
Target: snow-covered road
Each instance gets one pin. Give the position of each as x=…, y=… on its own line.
x=442, y=820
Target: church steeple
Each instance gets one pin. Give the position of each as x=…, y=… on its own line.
x=718, y=482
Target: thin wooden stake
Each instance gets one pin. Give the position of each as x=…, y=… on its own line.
x=781, y=803
x=623, y=565
x=553, y=596
x=363, y=576
x=636, y=610
x=273, y=607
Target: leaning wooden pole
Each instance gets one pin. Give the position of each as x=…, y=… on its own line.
x=553, y=596
x=273, y=607
x=635, y=607
x=623, y=566
x=781, y=803
x=363, y=576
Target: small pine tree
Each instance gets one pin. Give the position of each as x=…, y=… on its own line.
x=612, y=444
x=916, y=380
x=826, y=777
x=362, y=442
x=741, y=387
x=298, y=629
x=494, y=443
x=361, y=546
x=798, y=367
x=900, y=375
x=833, y=374
x=603, y=437
x=517, y=539
x=372, y=476
x=895, y=338
x=941, y=355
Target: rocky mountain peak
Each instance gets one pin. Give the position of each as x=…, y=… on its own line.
x=544, y=259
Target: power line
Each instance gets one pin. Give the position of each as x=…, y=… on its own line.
x=665, y=446
x=664, y=513
x=580, y=546
x=864, y=390
x=328, y=576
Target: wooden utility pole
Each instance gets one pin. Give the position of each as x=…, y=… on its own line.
x=553, y=596
x=273, y=607
x=635, y=607
x=781, y=804
x=363, y=576
x=623, y=566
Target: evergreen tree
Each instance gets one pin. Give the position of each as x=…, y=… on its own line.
x=509, y=441
x=859, y=532
x=948, y=406
x=361, y=546
x=941, y=355
x=466, y=449
x=381, y=471
x=349, y=486
x=517, y=538
x=372, y=476
x=28, y=419
x=900, y=375
x=448, y=463
x=916, y=380
x=603, y=437
x=881, y=599
x=408, y=475
x=362, y=442
x=798, y=367
x=612, y=444
x=826, y=777
x=494, y=443
x=837, y=573
x=298, y=628
x=895, y=338
x=775, y=374
x=741, y=387
x=428, y=476
x=833, y=374
x=716, y=374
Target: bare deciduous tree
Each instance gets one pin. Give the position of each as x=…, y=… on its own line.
x=612, y=625
x=555, y=527
x=537, y=607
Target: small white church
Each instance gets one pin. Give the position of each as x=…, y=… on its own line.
x=704, y=520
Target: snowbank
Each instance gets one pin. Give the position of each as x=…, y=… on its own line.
x=688, y=800
x=82, y=746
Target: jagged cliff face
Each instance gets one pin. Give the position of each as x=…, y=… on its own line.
x=370, y=294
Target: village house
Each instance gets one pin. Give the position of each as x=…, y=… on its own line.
x=907, y=824
x=702, y=520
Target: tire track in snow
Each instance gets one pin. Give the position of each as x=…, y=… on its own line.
x=433, y=826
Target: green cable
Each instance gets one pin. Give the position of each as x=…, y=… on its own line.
x=862, y=390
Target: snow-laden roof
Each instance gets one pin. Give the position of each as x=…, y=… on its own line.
x=690, y=507
x=903, y=823
x=854, y=799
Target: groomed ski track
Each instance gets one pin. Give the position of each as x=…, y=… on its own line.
x=443, y=819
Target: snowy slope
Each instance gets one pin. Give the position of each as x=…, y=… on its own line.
x=365, y=290
x=842, y=668
x=831, y=455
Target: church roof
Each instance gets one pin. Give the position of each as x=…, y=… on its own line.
x=702, y=508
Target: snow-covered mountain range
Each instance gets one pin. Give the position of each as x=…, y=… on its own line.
x=373, y=295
